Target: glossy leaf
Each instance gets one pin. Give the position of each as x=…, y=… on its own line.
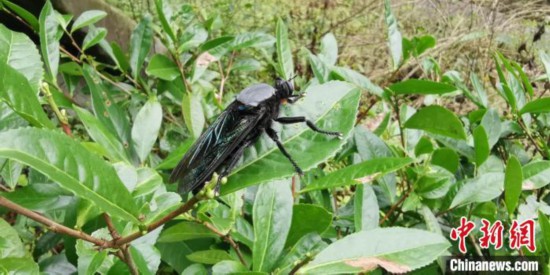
x=348, y=175
x=114, y=149
x=163, y=68
x=193, y=114
x=146, y=127
x=541, y=105
x=536, y=174
x=140, y=45
x=159, y=5
x=329, y=49
x=186, y=231
x=229, y=267
x=424, y=87
x=10, y=243
x=545, y=229
x=492, y=126
x=19, y=52
x=23, y=13
x=49, y=42
x=271, y=212
x=87, y=18
x=19, y=266
x=212, y=256
x=71, y=166
x=16, y=91
x=358, y=79
x=332, y=106
x=384, y=247
x=93, y=37
x=319, y=68
x=394, y=36
x=307, y=218
x=446, y=158
x=545, y=58
x=481, y=144
x=512, y=183
x=366, y=208
x=284, y=52
x=437, y=120
x=309, y=244
x=216, y=42
x=481, y=189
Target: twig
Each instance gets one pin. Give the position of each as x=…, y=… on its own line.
x=61, y=116
x=300, y=265
x=111, y=226
x=224, y=76
x=228, y=239
x=182, y=209
x=394, y=207
x=53, y=226
x=129, y=260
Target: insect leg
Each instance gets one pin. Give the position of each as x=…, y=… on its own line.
x=273, y=135
x=309, y=123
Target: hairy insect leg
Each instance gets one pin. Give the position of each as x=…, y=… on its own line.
x=273, y=135
x=309, y=123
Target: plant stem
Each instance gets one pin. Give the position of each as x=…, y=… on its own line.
x=182, y=209
x=394, y=207
x=53, y=226
x=60, y=115
x=228, y=239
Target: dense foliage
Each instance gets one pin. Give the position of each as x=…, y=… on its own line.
x=90, y=145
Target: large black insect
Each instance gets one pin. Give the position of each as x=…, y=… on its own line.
x=221, y=146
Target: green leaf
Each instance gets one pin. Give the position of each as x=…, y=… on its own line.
x=481, y=189
x=87, y=18
x=481, y=145
x=106, y=109
x=98, y=132
x=284, y=53
x=159, y=5
x=437, y=120
x=271, y=212
x=394, y=36
x=16, y=91
x=193, y=114
x=246, y=65
x=140, y=45
x=71, y=166
x=23, y=13
x=16, y=266
x=198, y=269
x=423, y=87
x=209, y=256
x=329, y=49
x=163, y=68
x=309, y=244
x=446, y=158
x=185, y=231
x=536, y=174
x=229, y=267
x=366, y=208
x=18, y=51
x=41, y=197
x=512, y=183
x=332, y=106
x=348, y=175
x=146, y=127
x=216, y=42
x=145, y=254
x=307, y=218
x=250, y=39
x=423, y=146
x=366, y=250
x=90, y=260
x=11, y=172
x=49, y=42
x=319, y=68
x=358, y=79
x=10, y=243
x=93, y=37
x=541, y=105
x=492, y=126
x=545, y=229
x=120, y=57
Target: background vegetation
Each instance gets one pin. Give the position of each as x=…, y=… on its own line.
x=444, y=117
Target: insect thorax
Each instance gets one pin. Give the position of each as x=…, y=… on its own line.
x=256, y=94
